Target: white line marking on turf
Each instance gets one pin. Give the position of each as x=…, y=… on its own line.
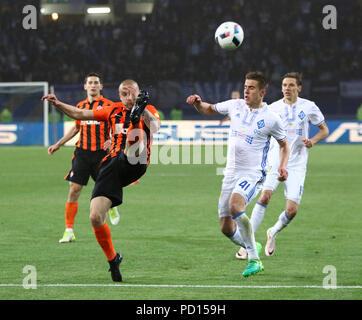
x=178, y=286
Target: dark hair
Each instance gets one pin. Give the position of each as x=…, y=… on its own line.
x=295, y=75
x=93, y=74
x=258, y=76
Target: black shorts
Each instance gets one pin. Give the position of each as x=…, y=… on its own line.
x=114, y=174
x=85, y=164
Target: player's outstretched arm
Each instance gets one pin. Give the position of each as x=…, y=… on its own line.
x=284, y=157
x=151, y=121
x=69, y=135
x=202, y=107
x=71, y=111
x=322, y=134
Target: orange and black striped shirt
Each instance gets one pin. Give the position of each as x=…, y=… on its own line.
x=118, y=118
x=93, y=134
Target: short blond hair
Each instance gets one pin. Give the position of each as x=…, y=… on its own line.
x=129, y=82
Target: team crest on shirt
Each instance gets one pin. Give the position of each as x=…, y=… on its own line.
x=301, y=115
x=261, y=124
x=99, y=107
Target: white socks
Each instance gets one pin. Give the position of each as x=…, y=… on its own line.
x=257, y=215
x=282, y=222
x=245, y=229
x=237, y=238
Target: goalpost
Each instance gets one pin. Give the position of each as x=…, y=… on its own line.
x=22, y=99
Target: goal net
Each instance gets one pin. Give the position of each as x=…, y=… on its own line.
x=24, y=118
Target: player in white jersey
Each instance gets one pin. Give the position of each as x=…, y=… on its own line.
x=252, y=126
x=296, y=114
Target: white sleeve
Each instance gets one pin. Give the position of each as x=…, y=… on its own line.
x=315, y=115
x=224, y=107
x=278, y=131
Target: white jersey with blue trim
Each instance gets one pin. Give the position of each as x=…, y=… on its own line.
x=249, y=135
x=296, y=120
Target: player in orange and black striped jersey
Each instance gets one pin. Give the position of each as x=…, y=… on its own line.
x=133, y=122
x=90, y=150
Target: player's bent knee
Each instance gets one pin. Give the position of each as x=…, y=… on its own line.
x=236, y=204
x=292, y=212
x=235, y=208
x=227, y=226
x=265, y=197
x=292, y=208
x=96, y=220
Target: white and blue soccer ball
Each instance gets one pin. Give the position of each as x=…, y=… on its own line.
x=229, y=35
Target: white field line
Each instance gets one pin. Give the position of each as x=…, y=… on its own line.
x=181, y=286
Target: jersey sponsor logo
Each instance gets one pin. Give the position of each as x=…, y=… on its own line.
x=247, y=138
x=85, y=122
x=298, y=132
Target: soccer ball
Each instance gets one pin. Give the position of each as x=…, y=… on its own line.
x=229, y=35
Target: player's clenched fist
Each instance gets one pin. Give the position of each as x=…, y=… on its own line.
x=283, y=174
x=193, y=99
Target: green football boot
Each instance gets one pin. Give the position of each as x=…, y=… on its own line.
x=253, y=267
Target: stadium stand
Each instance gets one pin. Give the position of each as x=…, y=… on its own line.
x=175, y=44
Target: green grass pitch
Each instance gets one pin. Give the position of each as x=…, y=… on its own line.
x=169, y=234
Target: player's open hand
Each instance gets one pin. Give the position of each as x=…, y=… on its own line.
x=193, y=99
x=308, y=143
x=53, y=148
x=283, y=174
x=51, y=98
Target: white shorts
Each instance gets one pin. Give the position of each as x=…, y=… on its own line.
x=293, y=186
x=247, y=184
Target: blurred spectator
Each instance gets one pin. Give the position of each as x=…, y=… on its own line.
x=176, y=42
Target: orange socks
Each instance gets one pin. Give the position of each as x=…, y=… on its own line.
x=103, y=235
x=71, y=209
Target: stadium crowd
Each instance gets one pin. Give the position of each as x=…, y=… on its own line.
x=176, y=42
